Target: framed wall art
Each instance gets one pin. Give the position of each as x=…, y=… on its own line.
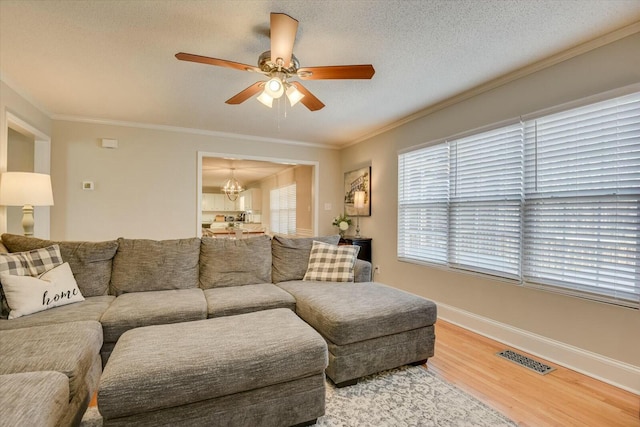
x=357, y=180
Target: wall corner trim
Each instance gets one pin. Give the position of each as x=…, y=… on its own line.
x=610, y=371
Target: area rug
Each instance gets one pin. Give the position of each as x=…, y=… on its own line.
x=406, y=396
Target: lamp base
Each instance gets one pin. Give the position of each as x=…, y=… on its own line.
x=27, y=220
x=358, y=226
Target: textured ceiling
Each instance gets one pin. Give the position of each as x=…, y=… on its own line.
x=114, y=60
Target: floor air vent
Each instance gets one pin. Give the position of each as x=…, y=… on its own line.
x=525, y=361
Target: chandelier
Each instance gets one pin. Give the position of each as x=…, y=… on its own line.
x=232, y=187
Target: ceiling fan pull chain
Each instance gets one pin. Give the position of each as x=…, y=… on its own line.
x=278, y=113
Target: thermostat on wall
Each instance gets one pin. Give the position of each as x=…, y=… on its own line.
x=87, y=185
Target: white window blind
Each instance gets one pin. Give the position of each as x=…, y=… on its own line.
x=582, y=216
x=486, y=199
x=423, y=199
x=553, y=201
x=282, y=202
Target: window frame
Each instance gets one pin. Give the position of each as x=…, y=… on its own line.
x=520, y=278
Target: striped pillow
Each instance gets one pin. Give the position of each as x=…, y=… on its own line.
x=330, y=263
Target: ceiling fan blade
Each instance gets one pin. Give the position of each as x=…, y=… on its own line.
x=283, y=35
x=246, y=94
x=215, y=61
x=309, y=100
x=337, y=72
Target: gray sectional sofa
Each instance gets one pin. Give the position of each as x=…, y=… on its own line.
x=133, y=283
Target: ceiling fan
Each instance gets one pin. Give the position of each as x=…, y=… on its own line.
x=280, y=64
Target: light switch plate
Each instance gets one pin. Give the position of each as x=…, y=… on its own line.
x=87, y=185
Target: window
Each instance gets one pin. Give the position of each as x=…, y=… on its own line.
x=283, y=210
x=552, y=202
x=485, y=202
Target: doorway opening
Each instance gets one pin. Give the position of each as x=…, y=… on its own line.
x=262, y=206
x=27, y=149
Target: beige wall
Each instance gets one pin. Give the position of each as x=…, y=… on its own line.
x=146, y=188
x=600, y=328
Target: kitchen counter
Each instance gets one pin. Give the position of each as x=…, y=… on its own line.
x=221, y=229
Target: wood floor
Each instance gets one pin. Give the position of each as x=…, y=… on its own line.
x=560, y=398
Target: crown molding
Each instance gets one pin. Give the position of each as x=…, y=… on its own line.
x=193, y=131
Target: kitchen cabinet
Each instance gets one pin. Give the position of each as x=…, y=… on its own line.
x=217, y=203
x=229, y=205
x=208, y=201
x=250, y=200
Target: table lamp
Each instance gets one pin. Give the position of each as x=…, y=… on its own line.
x=26, y=189
x=358, y=203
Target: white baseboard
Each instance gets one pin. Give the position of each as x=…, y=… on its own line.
x=611, y=371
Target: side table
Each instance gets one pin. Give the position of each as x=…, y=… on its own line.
x=363, y=242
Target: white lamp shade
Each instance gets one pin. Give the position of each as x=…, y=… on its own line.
x=265, y=99
x=294, y=95
x=274, y=88
x=358, y=199
x=25, y=188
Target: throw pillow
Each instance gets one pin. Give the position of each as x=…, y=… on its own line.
x=28, y=263
x=27, y=295
x=90, y=261
x=31, y=263
x=291, y=256
x=329, y=263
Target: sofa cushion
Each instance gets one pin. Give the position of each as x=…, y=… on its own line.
x=351, y=312
x=330, y=263
x=91, y=308
x=89, y=261
x=291, y=256
x=33, y=398
x=232, y=300
x=154, y=265
x=26, y=295
x=235, y=262
x=132, y=310
x=70, y=348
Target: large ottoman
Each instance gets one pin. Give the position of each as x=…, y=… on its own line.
x=368, y=326
x=264, y=368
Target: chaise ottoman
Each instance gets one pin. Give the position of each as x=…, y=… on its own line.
x=264, y=368
x=369, y=327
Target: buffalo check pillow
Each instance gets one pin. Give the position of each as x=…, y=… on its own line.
x=330, y=263
x=29, y=263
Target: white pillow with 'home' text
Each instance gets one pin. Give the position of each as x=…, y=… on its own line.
x=53, y=288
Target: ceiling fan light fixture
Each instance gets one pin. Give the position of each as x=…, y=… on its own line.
x=265, y=99
x=294, y=95
x=274, y=87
